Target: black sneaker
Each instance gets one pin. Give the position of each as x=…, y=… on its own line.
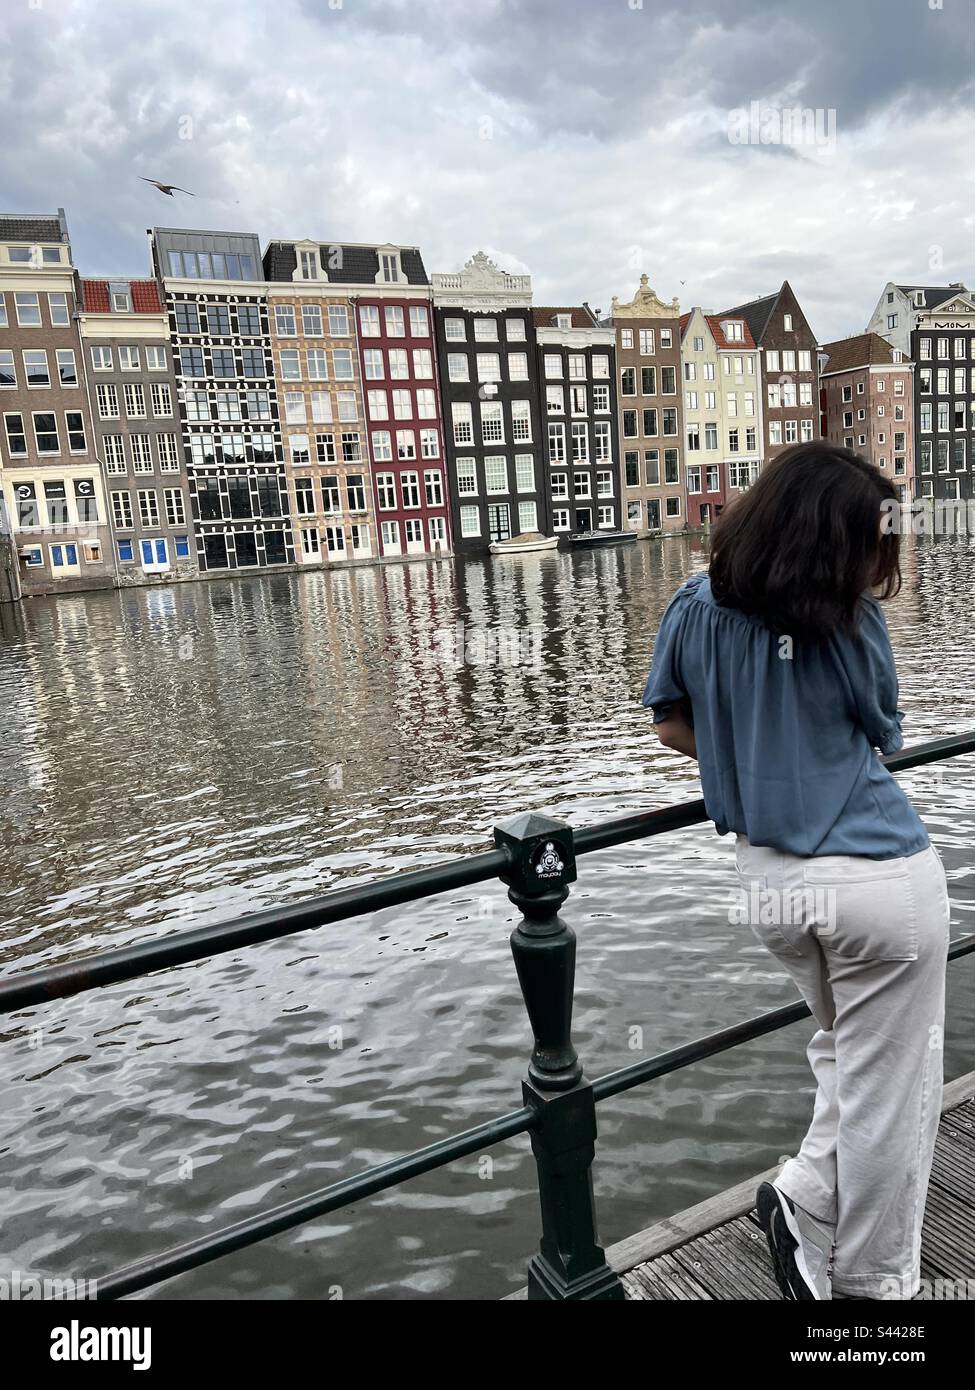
x=801, y=1247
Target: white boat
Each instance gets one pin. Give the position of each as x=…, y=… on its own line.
x=528, y=540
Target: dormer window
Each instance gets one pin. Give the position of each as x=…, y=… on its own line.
x=308, y=265
x=919, y=300
x=734, y=330
x=563, y=320
x=390, y=268
x=121, y=300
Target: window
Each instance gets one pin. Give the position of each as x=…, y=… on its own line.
x=342, y=364
x=405, y=445
x=458, y=368
x=175, y=507
x=488, y=366
x=402, y=405
x=648, y=380
x=603, y=440
x=419, y=321
x=423, y=363
x=149, y=509
x=187, y=318
x=331, y=497
x=372, y=359
x=290, y=365
x=114, y=453
x=524, y=472
x=378, y=403
x=521, y=424
x=35, y=369
x=28, y=309
x=284, y=320
x=470, y=521
x=734, y=332
x=311, y=320
x=369, y=321
x=553, y=364
x=294, y=408
x=429, y=444
x=577, y=398
x=515, y=330
x=304, y=497
x=141, y=453
x=580, y=442
x=101, y=359
x=600, y=398
x=628, y=381
x=787, y=322
x=399, y=369
x=316, y=361
x=162, y=400
x=556, y=443
x=495, y=474
x=455, y=330
x=308, y=265
x=135, y=401
x=128, y=359
x=395, y=326
x=485, y=330
x=410, y=489
x=668, y=381
x=647, y=342
x=382, y=446
x=560, y=519
x=554, y=400
x=492, y=423
x=122, y=511
x=433, y=485
x=386, y=491
x=631, y=427
x=577, y=366
x=46, y=433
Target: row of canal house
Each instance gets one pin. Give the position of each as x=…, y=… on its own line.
x=932, y=328
x=330, y=403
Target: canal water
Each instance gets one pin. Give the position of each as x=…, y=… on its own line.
x=171, y=756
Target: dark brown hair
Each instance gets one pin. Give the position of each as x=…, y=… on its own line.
x=801, y=546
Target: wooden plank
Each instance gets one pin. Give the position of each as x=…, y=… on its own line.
x=713, y=1248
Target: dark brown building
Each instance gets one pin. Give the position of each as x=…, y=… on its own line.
x=867, y=400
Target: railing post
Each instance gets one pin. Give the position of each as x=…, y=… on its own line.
x=541, y=864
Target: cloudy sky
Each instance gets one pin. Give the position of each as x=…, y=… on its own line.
x=583, y=140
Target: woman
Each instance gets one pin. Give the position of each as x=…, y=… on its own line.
x=775, y=672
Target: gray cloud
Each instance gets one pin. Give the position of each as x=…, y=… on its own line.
x=585, y=139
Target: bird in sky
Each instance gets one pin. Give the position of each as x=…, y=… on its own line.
x=167, y=188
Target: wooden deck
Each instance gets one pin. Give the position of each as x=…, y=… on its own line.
x=716, y=1250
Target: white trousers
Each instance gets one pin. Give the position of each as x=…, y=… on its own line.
x=866, y=942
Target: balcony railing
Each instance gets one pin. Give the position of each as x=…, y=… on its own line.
x=536, y=857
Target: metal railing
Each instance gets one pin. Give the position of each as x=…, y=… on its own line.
x=536, y=857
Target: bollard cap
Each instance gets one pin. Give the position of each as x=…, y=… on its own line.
x=540, y=853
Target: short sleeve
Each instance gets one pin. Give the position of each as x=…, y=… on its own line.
x=664, y=687
x=869, y=661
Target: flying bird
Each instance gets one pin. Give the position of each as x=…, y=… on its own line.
x=168, y=188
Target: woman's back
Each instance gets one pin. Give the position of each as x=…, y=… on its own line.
x=786, y=728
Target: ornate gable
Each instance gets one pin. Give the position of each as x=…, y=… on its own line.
x=645, y=305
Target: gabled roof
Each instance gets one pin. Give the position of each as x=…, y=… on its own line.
x=35, y=228
x=96, y=299
x=862, y=350
x=933, y=294
x=756, y=314
x=343, y=263
x=580, y=316
x=717, y=332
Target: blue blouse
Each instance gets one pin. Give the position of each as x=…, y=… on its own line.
x=785, y=731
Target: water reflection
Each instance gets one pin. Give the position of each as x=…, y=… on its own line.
x=169, y=756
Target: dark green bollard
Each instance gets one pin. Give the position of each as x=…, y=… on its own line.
x=541, y=864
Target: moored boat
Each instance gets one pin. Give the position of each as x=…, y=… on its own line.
x=528, y=540
x=593, y=538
